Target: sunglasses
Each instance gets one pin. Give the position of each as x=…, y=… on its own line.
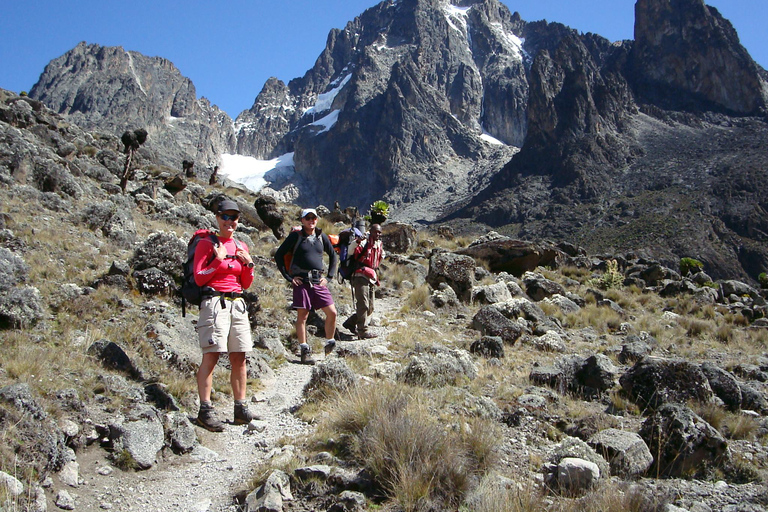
x=310, y=217
x=226, y=216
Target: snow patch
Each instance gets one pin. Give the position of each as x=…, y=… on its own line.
x=250, y=171
x=325, y=100
x=458, y=15
x=133, y=72
x=509, y=41
x=487, y=137
x=327, y=122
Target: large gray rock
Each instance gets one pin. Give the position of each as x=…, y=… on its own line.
x=516, y=257
x=655, y=381
x=398, y=237
x=164, y=251
x=21, y=307
x=490, y=294
x=682, y=442
x=455, y=270
x=38, y=442
x=626, y=452
x=330, y=375
x=724, y=385
x=141, y=435
x=539, y=287
x=270, y=496
x=492, y=322
x=438, y=366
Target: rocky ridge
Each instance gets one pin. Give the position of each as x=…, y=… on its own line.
x=410, y=100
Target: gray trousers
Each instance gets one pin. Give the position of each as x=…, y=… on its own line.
x=363, y=293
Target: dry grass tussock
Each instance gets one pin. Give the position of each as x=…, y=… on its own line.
x=395, y=432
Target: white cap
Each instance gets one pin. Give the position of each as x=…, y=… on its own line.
x=307, y=211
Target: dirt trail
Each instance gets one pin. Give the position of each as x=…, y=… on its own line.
x=222, y=464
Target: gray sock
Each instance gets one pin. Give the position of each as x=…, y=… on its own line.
x=206, y=405
x=241, y=403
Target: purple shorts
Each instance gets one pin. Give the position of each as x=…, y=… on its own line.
x=311, y=297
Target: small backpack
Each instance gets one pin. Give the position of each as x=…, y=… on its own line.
x=347, y=263
x=191, y=293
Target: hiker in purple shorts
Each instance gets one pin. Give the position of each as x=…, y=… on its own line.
x=310, y=287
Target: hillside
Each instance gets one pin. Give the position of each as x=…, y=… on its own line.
x=506, y=375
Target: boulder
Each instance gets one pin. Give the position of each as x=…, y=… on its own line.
x=398, y=238
x=164, y=251
x=437, y=366
x=513, y=256
x=653, y=381
x=331, y=374
x=539, y=287
x=682, y=442
x=270, y=496
x=141, y=435
x=455, y=270
x=576, y=476
x=266, y=208
x=180, y=433
x=490, y=321
x=490, y=294
x=114, y=356
x=626, y=452
x=724, y=385
x=488, y=346
x=38, y=442
x=565, y=304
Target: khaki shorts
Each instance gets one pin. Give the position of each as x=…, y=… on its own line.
x=224, y=329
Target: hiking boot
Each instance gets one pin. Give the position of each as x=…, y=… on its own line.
x=329, y=347
x=207, y=419
x=243, y=415
x=305, y=351
x=350, y=323
x=365, y=335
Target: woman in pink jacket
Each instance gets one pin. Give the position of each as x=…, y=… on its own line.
x=225, y=268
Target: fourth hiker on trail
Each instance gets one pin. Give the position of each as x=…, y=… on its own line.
x=367, y=258
x=300, y=260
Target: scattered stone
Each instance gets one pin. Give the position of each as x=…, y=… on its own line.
x=626, y=452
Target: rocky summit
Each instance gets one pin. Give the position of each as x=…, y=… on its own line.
x=465, y=114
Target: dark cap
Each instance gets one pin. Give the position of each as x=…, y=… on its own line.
x=228, y=205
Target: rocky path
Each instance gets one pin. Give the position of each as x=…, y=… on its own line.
x=222, y=464
x=206, y=479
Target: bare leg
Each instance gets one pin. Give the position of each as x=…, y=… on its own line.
x=239, y=376
x=205, y=375
x=301, y=325
x=330, y=321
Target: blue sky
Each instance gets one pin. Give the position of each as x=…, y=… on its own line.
x=230, y=48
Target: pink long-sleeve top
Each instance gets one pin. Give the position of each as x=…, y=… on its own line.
x=223, y=276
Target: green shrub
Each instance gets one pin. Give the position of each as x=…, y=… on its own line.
x=612, y=278
x=690, y=265
x=763, y=278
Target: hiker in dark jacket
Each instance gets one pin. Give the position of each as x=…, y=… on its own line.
x=310, y=287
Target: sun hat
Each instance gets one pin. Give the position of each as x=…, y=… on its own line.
x=307, y=211
x=228, y=205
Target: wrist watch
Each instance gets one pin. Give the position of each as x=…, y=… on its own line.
x=250, y=265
